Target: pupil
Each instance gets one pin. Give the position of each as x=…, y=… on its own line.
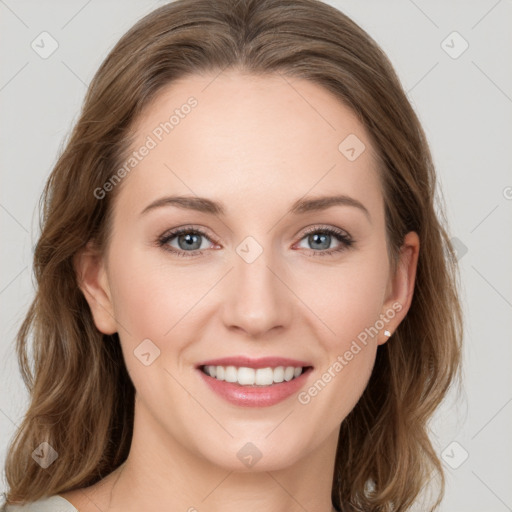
x=190, y=239
x=324, y=236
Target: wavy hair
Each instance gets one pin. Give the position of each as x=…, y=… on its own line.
x=385, y=457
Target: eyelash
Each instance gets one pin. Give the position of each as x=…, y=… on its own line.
x=345, y=240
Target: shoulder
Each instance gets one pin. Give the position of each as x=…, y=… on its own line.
x=53, y=503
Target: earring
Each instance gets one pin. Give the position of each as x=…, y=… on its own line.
x=387, y=333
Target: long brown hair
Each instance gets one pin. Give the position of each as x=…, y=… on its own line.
x=81, y=397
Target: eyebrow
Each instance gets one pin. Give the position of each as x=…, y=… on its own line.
x=301, y=206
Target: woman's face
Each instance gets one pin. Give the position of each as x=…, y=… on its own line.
x=267, y=266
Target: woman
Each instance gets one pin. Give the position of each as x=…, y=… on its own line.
x=245, y=294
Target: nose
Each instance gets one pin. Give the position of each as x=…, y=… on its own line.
x=256, y=297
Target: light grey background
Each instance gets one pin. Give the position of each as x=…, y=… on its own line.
x=465, y=105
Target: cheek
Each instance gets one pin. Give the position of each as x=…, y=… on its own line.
x=349, y=302
x=148, y=299
x=347, y=299
x=156, y=299
x=150, y=303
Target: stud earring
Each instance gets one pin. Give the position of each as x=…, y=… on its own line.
x=387, y=333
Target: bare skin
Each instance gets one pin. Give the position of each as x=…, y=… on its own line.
x=257, y=146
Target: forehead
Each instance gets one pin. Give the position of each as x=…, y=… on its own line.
x=250, y=141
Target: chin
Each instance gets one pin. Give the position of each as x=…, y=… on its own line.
x=255, y=454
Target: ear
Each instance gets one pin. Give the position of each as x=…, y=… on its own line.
x=93, y=281
x=400, y=288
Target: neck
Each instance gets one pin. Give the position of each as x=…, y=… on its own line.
x=161, y=474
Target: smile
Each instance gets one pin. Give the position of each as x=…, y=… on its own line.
x=245, y=376
x=248, y=382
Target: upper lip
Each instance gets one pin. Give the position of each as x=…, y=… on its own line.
x=248, y=362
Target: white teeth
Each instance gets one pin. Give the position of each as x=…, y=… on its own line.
x=288, y=373
x=246, y=376
x=253, y=377
x=264, y=376
x=279, y=374
x=231, y=374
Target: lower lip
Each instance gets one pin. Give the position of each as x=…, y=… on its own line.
x=262, y=396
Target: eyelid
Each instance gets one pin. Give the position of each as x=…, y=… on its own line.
x=324, y=227
x=188, y=228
